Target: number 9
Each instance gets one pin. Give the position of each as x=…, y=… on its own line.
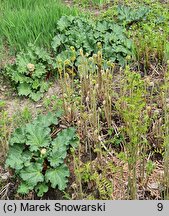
x=160, y=206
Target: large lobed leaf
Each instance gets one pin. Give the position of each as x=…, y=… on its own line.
x=58, y=176
x=32, y=174
x=37, y=137
x=24, y=188
x=14, y=159
x=65, y=138
x=60, y=144
x=19, y=136
x=57, y=155
x=41, y=189
x=24, y=89
x=47, y=120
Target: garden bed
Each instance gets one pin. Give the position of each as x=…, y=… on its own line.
x=107, y=77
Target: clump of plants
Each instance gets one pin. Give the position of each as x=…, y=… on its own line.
x=30, y=71
x=128, y=15
x=111, y=37
x=37, y=153
x=38, y=18
x=131, y=106
x=145, y=24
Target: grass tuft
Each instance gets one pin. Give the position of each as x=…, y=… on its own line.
x=23, y=22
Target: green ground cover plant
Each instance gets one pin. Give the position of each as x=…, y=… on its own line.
x=127, y=15
x=112, y=85
x=145, y=24
x=37, y=156
x=109, y=36
x=31, y=69
x=29, y=72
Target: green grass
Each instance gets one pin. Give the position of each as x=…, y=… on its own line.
x=23, y=22
x=91, y=2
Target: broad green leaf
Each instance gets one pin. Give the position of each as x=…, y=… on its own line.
x=102, y=26
x=58, y=176
x=47, y=120
x=59, y=113
x=26, y=157
x=42, y=54
x=71, y=133
x=14, y=159
x=57, y=41
x=24, y=188
x=65, y=138
x=30, y=80
x=44, y=86
x=62, y=139
x=36, y=96
x=129, y=44
x=122, y=49
x=57, y=155
x=89, y=34
x=24, y=89
x=18, y=136
x=22, y=60
x=64, y=22
x=74, y=142
x=35, y=84
x=17, y=77
x=41, y=189
x=37, y=137
x=32, y=174
x=128, y=14
x=39, y=72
